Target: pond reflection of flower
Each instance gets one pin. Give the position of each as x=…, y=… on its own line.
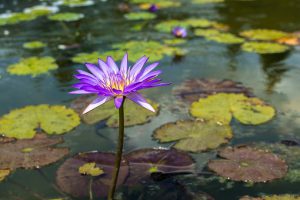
x=110, y=82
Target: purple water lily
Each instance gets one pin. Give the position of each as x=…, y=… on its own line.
x=153, y=8
x=109, y=82
x=179, y=31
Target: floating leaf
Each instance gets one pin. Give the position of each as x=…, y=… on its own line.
x=193, y=89
x=222, y=107
x=71, y=181
x=22, y=123
x=108, y=112
x=194, y=136
x=66, y=17
x=206, y=1
x=176, y=41
x=3, y=174
x=90, y=169
x=33, y=66
x=273, y=197
x=77, y=3
x=87, y=57
x=206, y=32
x=140, y=16
x=144, y=162
x=226, y=38
x=263, y=34
x=264, y=47
x=34, y=45
x=155, y=50
x=248, y=164
x=160, y=5
x=291, y=40
x=167, y=26
x=42, y=152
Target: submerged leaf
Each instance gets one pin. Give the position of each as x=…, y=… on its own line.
x=140, y=16
x=22, y=123
x=222, y=107
x=33, y=66
x=31, y=153
x=264, y=47
x=108, y=112
x=144, y=162
x=248, y=164
x=263, y=34
x=72, y=182
x=3, y=174
x=34, y=45
x=194, y=136
x=66, y=17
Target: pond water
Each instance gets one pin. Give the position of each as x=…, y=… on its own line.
x=273, y=78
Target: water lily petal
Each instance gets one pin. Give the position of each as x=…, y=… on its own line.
x=111, y=63
x=137, y=67
x=118, y=101
x=140, y=100
x=97, y=102
x=124, y=63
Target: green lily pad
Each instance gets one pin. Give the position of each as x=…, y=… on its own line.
x=33, y=66
x=87, y=57
x=206, y=1
x=194, y=136
x=34, y=45
x=109, y=113
x=3, y=174
x=206, y=32
x=167, y=26
x=22, y=123
x=273, y=197
x=226, y=38
x=244, y=163
x=72, y=182
x=90, y=169
x=140, y=16
x=176, y=41
x=66, y=17
x=193, y=89
x=263, y=34
x=160, y=5
x=155, y=50
x=264, y=47
x=77, y=3
x=222, y=107
x=42, y=152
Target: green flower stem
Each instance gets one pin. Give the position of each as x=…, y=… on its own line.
x=119, y=153
x=91, y=188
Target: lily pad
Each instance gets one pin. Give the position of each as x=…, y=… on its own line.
x=87, y=57
x=33, y=66
x=264, y=47
x=263, y=34
x=248, y=164
x=22, y=123
x=273, y=197
x=140, y=16
x=77, y=3
x=206, y=1
x=109, y=113
x=66, y=17
x=34, y=45
x=144, y=162
x=176, y=41
x=160, y=5
x=222, y=107
x=193, y=89
x=226, y=38
x=194, y=136
x=155, y=50
x=31, y=153
x=291, y=40
x=167, y=26
x=206, y=32
x=3, y=174
x=72, y=182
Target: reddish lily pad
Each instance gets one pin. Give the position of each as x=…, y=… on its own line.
x=244, y=163
x=144, y=162
x=31, y=153
x=193, y=89
x=72, y=181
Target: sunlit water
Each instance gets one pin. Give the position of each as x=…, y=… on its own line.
x=273, y=78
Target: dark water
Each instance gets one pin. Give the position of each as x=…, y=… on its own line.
x=273, y=78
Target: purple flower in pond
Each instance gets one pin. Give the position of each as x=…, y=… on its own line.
x=179, y=31
x=110, y=82
x=153, y=8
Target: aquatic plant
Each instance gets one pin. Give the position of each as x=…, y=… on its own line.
x=264, y=47
x=66, y=17
x=263, y=34
x=206, y=1
x=179, y=32
x=34, y=45
x=140, y=16
x=110, y=82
